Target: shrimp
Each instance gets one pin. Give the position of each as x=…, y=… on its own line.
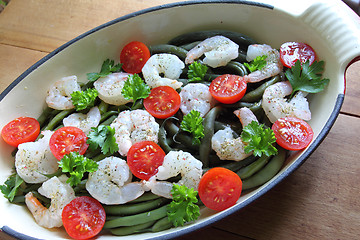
x=60, y=193
x=218, y=51
x=84, y=121
x=273, y=64
x=175, y=162
x=276, y=106
x=110, y=87
x=225, y=145
x=196, y=96
x=59, y=94
x=111, y=182
x=132, y=127
x=34, y=159
x=167, y=64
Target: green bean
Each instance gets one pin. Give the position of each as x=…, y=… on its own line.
x=253, y=106
x=131, y=209
x=137, y=218
x=58, y=118
x=108, y=114
x=205, y=146
x=232, y=165
x=190, y=46
x=109, y=120
x=161, y=225
x=167, y=48
x=19, y=199
x=103, y=107
x=256, y=94
x=145, y=197
x=252, y=168
x=162, y=140
x=242, y=56
x=237, y=67
x=174, y=130
x=46, y=115
x=100, y=157
x=236, y=37
x=267, y=172
x=123, y=231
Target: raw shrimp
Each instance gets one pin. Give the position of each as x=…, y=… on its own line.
x=175, y=162
x=111, y=182
x=218, y=51
x=110, y=87
x=196, y=96
x=225, y=145
x=276, y=106
x=132, y=127
x=59, y=94
x=84, y=121
x=273, y=64
x=34, y=159
x=167, y=64
x=60, y=194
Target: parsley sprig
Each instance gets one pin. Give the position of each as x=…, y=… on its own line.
x=193, y=123
x=107, y=68
x=104, y=137
x=84, y=99
x=11, y=186
x=257, y=64
x=135, y=88
x=196, y=72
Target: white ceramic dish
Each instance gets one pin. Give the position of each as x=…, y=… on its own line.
x=329, y=26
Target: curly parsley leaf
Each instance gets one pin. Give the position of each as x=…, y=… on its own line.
x=104, y=137
x=259, y=139
x=306, y=77
x=183, y=207
x=135, y=88
x=107, y=68
x=11, y=186
x=193, y=123
x=84, y=99
x=257, y=64
x=76, y=165
x=196, y=72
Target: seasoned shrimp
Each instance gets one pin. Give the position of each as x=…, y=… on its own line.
x=110, y=87
x=60, y=193
x=175, y=162
x=111, y=182
x=218, y=51
x=34, y=159
x=196, y=96
x=84, y=121
x=167, y=64
x=276, y=106
x=132, y=127
x=225, y=145
x=59, y=94
x=273, y=64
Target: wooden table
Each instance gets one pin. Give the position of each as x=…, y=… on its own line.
x=321, y=200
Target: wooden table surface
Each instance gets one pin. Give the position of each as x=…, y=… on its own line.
x=320, y=200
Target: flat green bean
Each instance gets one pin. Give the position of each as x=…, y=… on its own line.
x=252, y=168
x=167, y=48
x=123, y=231
x=161, y=225
x=256, y=94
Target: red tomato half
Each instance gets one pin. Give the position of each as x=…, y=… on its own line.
x=163, y=102
x=134, y=56
x=228, y=88
x=66, y=140
x=292, y=133
x=20, y=130
x=219, y=188
x=83, y=217
x=144, y=158
x=290, y=52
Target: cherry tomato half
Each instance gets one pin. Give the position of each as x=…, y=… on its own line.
x=219, y=188
x=83, y=217
x=134, y=56
x=163, y=102
x=292, y=133
x=228, y=88
x=20, y=130
x=144, y=158
x=290, y=52
x=66, y=140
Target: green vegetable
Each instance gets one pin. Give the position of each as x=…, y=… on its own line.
x=197, y=72
x=103, y=137
x=259, y=139
x=84, y=99
x=135, y=88
x=107, y=68
x=257, y=64
x=183, y=207
x=193, y=123
x=11, y=186
x=307, y=78
x=76, y=165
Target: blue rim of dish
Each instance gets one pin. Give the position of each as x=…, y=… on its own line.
x=274, y=182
